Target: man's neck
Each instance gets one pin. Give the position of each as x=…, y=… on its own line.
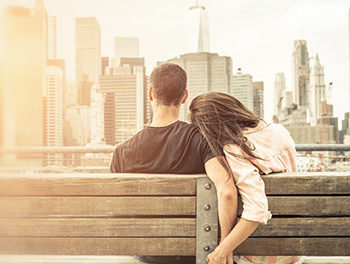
x=165, y=115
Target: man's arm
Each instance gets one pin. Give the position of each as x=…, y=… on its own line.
x=227, y=195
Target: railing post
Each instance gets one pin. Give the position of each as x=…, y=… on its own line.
x=207, y=219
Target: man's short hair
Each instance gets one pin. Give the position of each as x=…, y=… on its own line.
x=168, y=81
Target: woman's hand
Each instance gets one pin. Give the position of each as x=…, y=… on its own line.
x=220, y=256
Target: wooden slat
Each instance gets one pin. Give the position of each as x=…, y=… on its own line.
x=307, y=183
x=313, y=205
x=295, y=247
x=162, y=206
x=303, y=227
x=99, y=246
x=97, y=184
x=171, y=246
x=147, y=184
x=307, y=205
x=164, y=227
x=73, y=227
x=96, y=206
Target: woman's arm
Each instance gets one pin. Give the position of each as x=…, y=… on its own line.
x=227, y=195
x=255, y=207
x=239, y=233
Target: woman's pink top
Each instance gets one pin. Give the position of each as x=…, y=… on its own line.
x=276, y=147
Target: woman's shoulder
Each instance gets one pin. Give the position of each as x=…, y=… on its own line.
x=268, y=130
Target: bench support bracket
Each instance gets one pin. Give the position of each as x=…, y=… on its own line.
x=207, y=219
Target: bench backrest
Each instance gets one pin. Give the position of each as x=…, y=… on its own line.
x=140, y=214
x=311, y=216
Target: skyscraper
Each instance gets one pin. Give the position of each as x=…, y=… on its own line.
x=138, y=65
x=1, y=105
x=148, y=114
x=78, y=118
x=51, y=37
x=54, y=112
x=279, y=88
x=88, y=56
x=317, y=91
x=104, y=64
x=97, y=115
x=301, y=73
x=242, y=88
x=197, y=24
x=258, y=88
x=25, y=57
x=206, y=72
x=124, y=111
x=126, y=48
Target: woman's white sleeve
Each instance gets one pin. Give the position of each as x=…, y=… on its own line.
x=251, y=188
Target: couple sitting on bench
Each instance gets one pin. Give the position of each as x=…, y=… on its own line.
x=226, y=141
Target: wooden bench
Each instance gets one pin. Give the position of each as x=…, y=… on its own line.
x=166, y=215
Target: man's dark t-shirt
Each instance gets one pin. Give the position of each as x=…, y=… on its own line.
x=176, y=148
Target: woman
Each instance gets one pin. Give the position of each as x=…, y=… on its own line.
x=251, y=148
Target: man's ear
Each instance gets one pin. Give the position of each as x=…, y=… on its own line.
x=185, y=97
x=150, y=95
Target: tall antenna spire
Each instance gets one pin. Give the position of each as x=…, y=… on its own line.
x=199, y=28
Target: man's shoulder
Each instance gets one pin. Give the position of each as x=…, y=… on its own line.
x=188, y=126
x=143, y=136
x=131, y=141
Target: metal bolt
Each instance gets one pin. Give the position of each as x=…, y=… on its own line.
x=207, y=228
x=207, y=207
x=207, y=186
x=206, y=248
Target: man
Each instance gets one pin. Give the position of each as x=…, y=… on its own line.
x=173, y=146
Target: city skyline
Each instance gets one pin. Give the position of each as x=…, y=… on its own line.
x=263, y=49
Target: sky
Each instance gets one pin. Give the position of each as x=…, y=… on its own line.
x=257, y=34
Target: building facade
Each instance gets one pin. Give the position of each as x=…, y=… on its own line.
x=104, y=65
x=242, y=89
x=301, y=73
x=278, y=93
x=51, y=53
x=124, y=103
x=138, y=66
x=258, y=88
x=87, y=56
x=97, y=116
x=126, y=48
x=78, y=118
x=206, y=72
x=54, y=113
x=24, y=77
x=1, y=105
x=148, y=114
x=317, y=91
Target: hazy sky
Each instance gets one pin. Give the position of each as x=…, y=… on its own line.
x=257, y=34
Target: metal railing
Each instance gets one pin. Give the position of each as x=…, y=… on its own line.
x=322, y=147
x=110, y=149
x=310, y=157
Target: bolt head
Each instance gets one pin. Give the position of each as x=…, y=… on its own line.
x=207, y=186
x=207, y=228
x=207, y=207
x=206, y=248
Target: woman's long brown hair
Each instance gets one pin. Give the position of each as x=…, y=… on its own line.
x=221, y=119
